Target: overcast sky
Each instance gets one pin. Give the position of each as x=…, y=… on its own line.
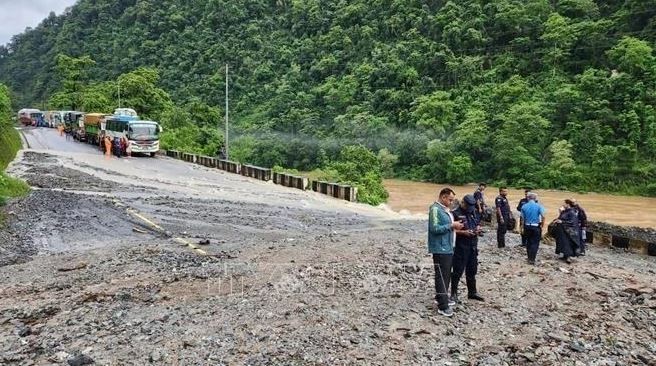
x=16, y=15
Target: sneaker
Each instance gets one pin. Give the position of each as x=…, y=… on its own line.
x=531, y=262
x=446, y=312
x=453, y=300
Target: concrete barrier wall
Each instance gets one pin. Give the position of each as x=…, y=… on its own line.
x=256, y=172
x=292, y=181
x=336, y=190
x=207, y=161
x=621, y=242
x=229, y=166
x=191, y=158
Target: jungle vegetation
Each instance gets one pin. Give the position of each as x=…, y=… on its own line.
x=544, y=93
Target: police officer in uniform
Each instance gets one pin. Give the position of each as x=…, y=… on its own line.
x=465, y=255
x=503, y=216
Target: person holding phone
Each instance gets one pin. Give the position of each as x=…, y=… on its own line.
x=465, y=257
x=441, y=240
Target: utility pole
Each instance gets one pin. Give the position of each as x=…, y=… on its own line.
x=227, y=154
x=119, y=94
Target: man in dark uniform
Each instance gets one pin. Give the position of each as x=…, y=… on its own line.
x=465, y=256
x=480, y=200
x=521, y=218
x=583, y=224
x=503, y=216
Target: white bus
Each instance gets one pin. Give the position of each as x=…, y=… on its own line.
x=142, y=136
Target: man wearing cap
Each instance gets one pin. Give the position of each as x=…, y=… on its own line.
x=465, y=257
x=533, y=214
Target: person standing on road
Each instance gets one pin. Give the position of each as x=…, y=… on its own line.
x=504, y=215
x=441, y=240
x=583, y=226
x=128, y=148
x=108, y=147
x=465, y=257
x=567, y=231
x=480, y=198
x=521, y=217
x=533, y=214
x=117, y=146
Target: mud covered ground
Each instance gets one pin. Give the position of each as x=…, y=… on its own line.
x=290, y=278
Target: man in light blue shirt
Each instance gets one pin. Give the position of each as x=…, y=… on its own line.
x=533, y=214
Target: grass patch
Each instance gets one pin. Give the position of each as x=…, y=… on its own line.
x=10, y=143
x=11, y=187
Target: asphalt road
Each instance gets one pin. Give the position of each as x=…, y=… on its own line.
x=173, y=177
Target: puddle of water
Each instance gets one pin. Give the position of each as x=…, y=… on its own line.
x=416, y=197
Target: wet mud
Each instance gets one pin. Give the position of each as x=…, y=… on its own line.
x=288, y=280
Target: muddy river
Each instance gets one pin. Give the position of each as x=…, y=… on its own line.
x=620, y=210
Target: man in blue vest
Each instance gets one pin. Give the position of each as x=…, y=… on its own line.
x=441, y=240
x=533, y=214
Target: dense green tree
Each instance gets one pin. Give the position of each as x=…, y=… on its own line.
x=509, y=90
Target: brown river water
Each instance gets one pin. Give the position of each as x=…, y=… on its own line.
x=416, y=197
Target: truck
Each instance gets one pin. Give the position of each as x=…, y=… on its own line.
x=73, y=122
x=92, y=125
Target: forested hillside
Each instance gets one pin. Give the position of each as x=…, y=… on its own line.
x=548, y=93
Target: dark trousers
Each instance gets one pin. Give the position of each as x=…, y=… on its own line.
x=501, y=234
x=442, y=265
x=523, y=233
x=465, y=259
x=533, y=236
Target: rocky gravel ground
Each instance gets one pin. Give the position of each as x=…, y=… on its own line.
x=288, y=284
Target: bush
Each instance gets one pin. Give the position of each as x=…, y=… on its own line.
x=650, y=190
x=360, y=167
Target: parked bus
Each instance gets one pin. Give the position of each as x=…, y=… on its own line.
x=31, y=117
x=142, y=136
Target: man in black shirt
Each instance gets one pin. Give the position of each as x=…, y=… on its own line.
x=503, y=216
x=465, y=256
